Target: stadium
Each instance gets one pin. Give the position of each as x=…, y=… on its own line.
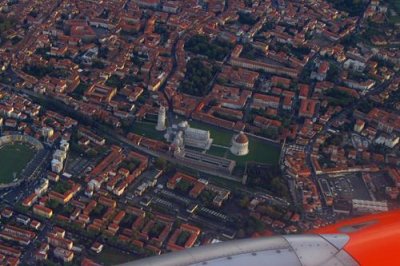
x=20, y=157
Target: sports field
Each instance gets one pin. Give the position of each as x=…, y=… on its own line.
x=13, y=159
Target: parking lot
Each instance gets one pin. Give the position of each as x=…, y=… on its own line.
x=350, y=187
x=77, y=166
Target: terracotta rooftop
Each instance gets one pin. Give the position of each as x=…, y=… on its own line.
x=241, y=138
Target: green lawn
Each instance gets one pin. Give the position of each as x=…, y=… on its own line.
x=260, y=151
x=147, y=130
x=218, y=151
x=220, y=136
x=112, y=256
x=13, y=159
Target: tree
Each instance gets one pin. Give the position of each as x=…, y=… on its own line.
x=267, y=177
x=338, y=97
x=182, y=238
x=251, y=53
x=183, y=186
x=269, y=210
x=278, y=186
x=270, y=132
x=247, y=18
x=353, y=7
x=268, y=26
x=52, y=204
x=215, y=50
x=365, y=106
x=92, y=153
x=98, y=64
x=98, y=210
x=103, y=52
x=333, y=73
x=254, y=224
x=244, y=202
x=207, y=197
x=6, y=23
x=160, y=163
x=197, y=78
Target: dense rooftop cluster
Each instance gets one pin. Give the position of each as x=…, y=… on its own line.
x=292, y=107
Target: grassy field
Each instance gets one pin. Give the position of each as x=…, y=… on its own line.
x=260, y=151
x=218, y=151
x=147, y=129
x=112, y=256
x=220, y=136
x=13, y=159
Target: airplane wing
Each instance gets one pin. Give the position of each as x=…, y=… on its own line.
x=294, y=250
x=369, y=240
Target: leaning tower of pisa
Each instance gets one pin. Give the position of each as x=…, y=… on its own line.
x=161, y=119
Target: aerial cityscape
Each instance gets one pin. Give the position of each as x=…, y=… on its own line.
x=134, y=128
